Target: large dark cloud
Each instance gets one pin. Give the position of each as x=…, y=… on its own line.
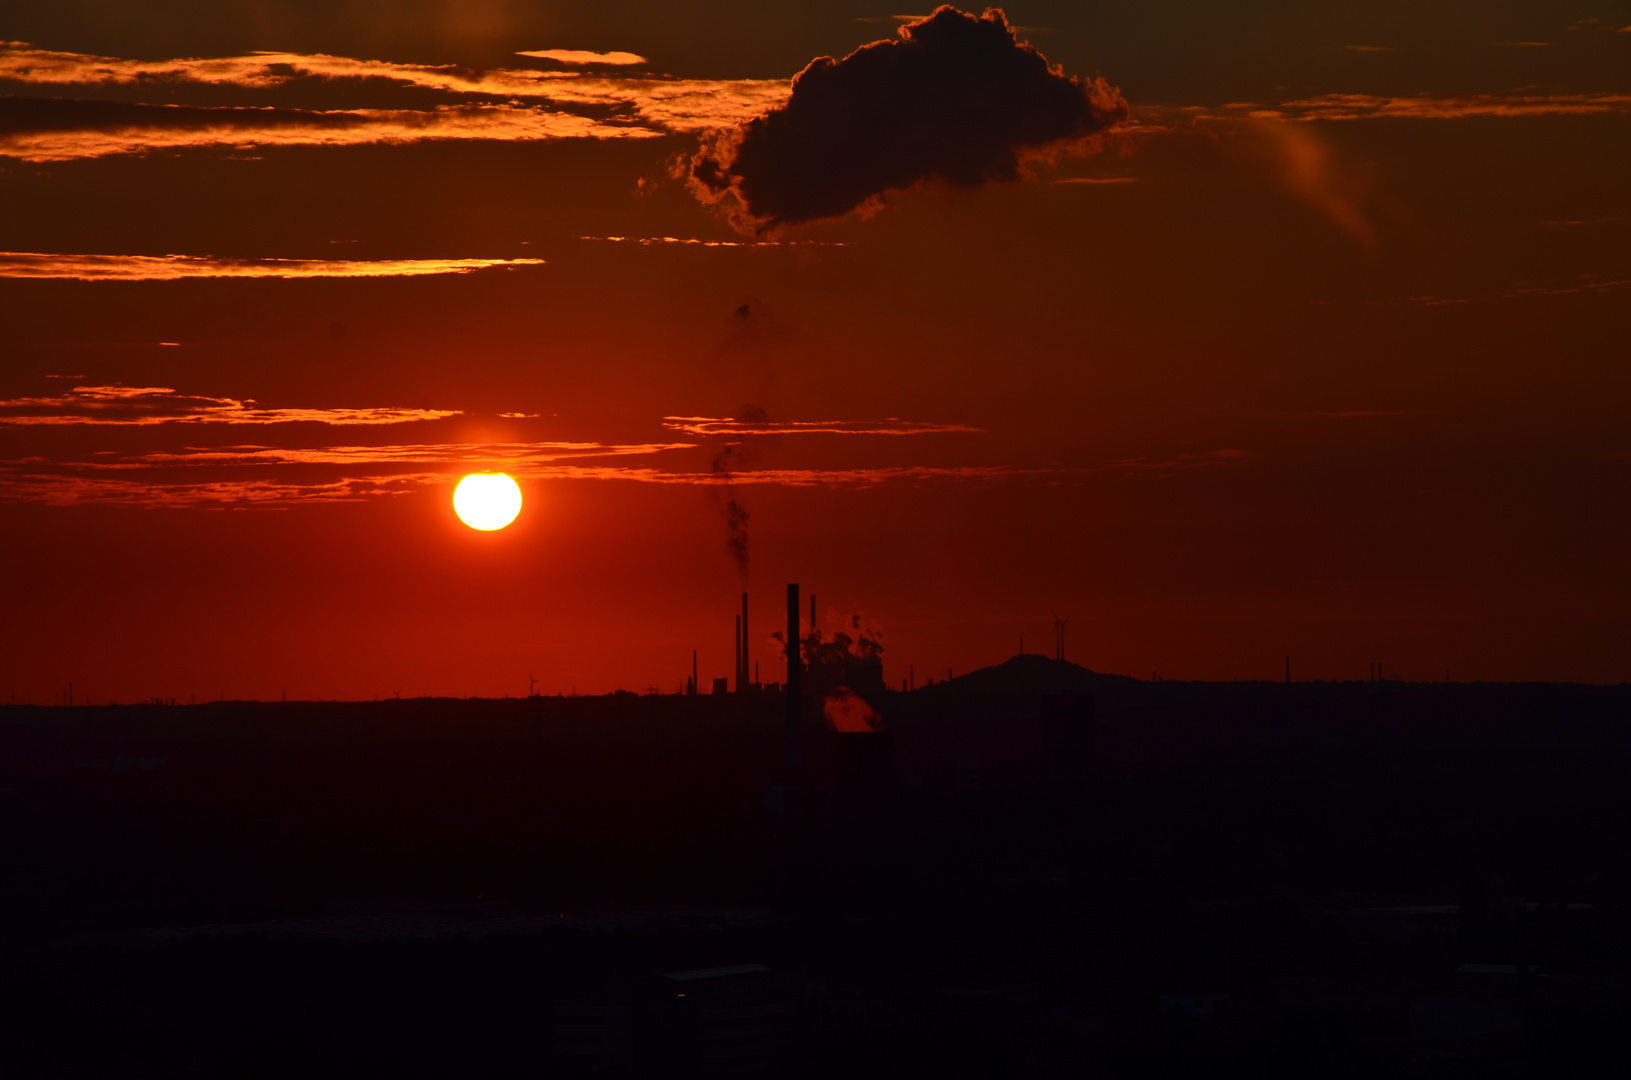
x=957, y=98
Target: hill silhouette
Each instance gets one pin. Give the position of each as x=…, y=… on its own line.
x=1028, y=675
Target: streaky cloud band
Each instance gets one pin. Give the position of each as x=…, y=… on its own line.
x=707, y=425
x=35, y=481
x=145, y=406
x=77, y=267
x=687, y=105
x=480, y=455
x=580, y=56
x=1445, y=107
x=31, y=130
x=649, y=241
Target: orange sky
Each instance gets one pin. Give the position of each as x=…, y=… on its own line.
x=1321, y=352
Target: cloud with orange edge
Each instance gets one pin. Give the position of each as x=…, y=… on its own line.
x=145, y=406
x=675, y=105
x=75, y=267
x=580, y=56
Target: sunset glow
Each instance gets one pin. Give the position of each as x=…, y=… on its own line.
x=1063, y=539
x=1233, y=334
x=487, y=501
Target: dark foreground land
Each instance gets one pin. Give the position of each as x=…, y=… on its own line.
x=1242, y=880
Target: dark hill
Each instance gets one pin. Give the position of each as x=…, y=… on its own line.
x=1029, y=675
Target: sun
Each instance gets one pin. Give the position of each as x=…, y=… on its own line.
x=487, y=501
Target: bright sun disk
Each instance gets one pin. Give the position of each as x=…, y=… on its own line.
x=487, y=501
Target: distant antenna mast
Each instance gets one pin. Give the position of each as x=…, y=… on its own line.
x=1059, y=636
x=532, y=685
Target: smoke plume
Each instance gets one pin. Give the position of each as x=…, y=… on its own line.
x=843, y=649
x=957, y=99
x=731, y=457
x=846, y=711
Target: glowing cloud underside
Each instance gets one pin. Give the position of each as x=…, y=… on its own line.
x=150, y=483
x=247, y=129
x=24, y=264
x=144, y=406
x=579, y=56
x=643, y=105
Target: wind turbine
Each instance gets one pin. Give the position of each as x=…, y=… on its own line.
x=1059, y=635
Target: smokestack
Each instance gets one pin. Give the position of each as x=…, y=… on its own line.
x=795, y=691
x=695, y=689
x=747, y=666
x=739, y=654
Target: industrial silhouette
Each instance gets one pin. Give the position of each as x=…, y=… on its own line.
x=1030, y=870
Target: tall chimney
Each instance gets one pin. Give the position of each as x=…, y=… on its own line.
x=795, y=691
x=739, y=654
x=747, y=666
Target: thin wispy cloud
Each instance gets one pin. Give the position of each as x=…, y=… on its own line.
x=647, y=241
x=75, y=267
x=462, y=455
x=580, y=56
x=1600, y=26
x=143, y=406
x=1446, y=107
x=1097, y=180
x=1589, y=286
x=244, y=482
x=1346, y=414
x=233, y=493
x=42, y=130
x=706, y=425
x=676, y=105
x=29, y=482
x=1208, y=459
x=264, y=474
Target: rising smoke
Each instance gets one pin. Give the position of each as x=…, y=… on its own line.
x=845, y=710
x=730, y=459
x=956, y=99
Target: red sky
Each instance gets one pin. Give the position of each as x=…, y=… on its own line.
x=1321, y=352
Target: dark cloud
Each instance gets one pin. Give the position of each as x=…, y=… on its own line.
x=957, y=98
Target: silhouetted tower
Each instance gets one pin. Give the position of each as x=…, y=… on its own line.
x=1059, y=636
x=795, y=689
x=739, y=654
x=744, y=679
